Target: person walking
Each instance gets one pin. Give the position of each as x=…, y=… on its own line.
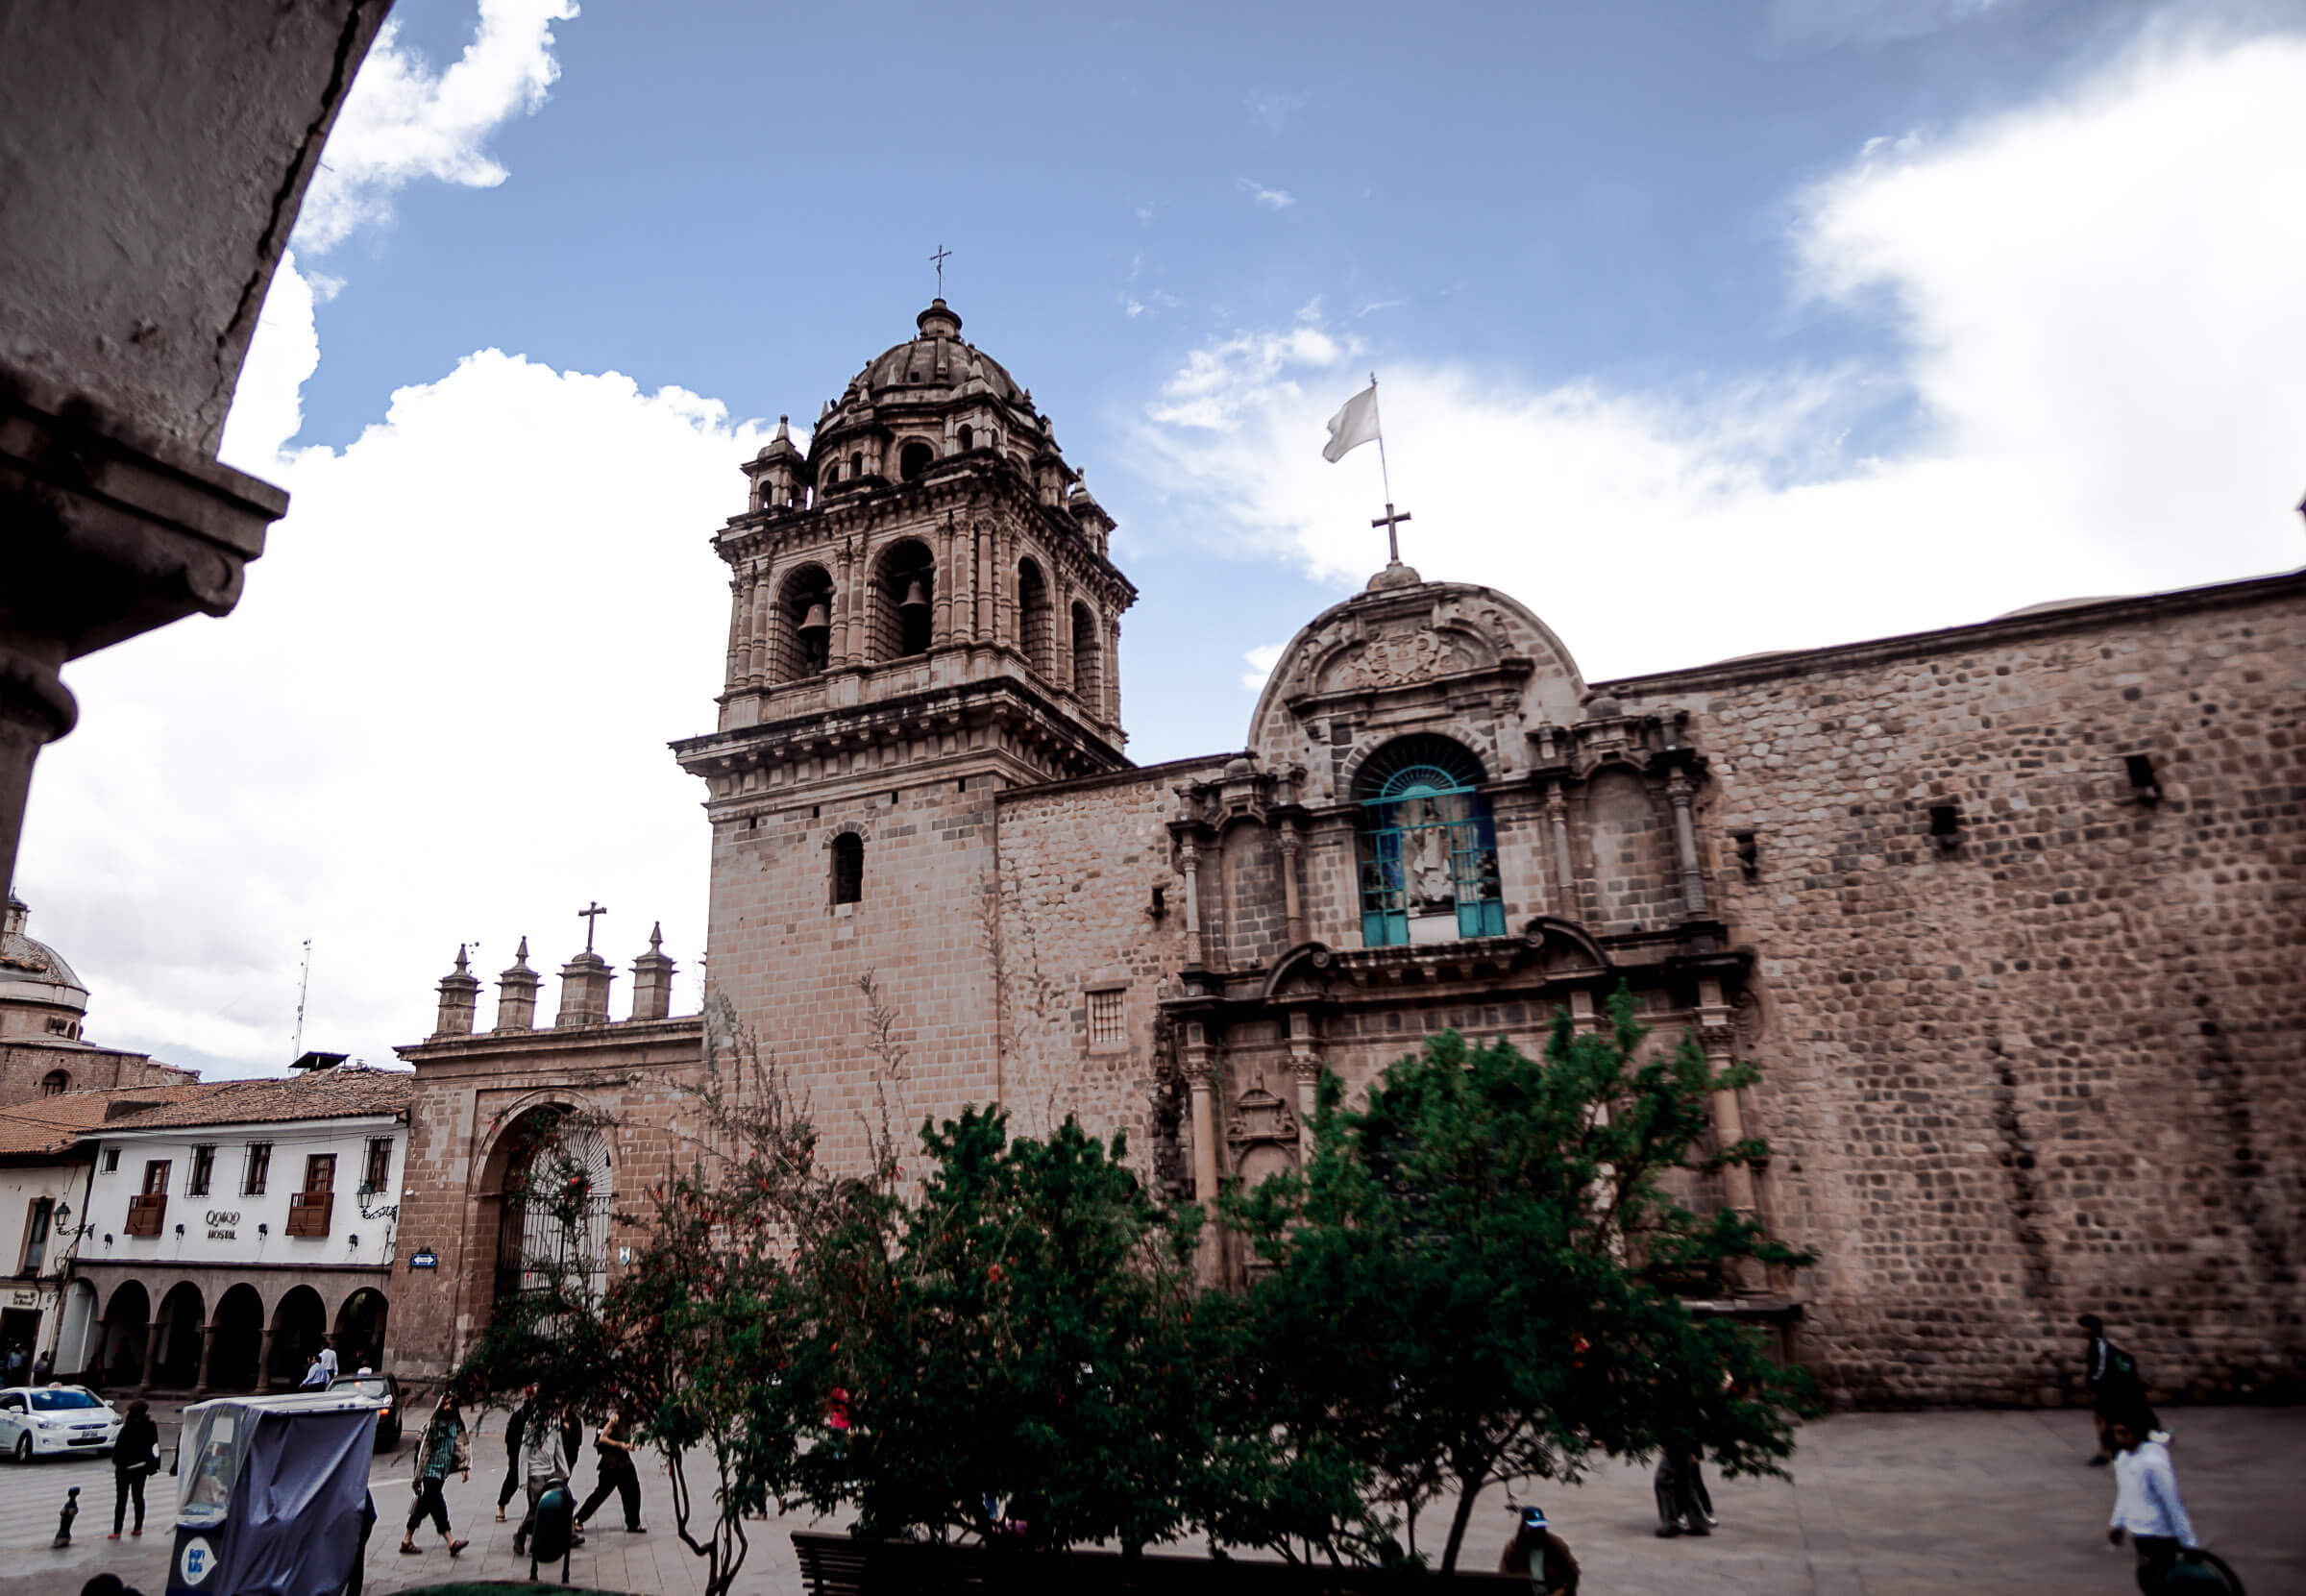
x=613, y=1450
x=1683, y=1506
x=43, y=1368
x=516, y=1425
x=135, y=1458
x=327, y=1358
x=443, y=1447
x=1542, y=1554
x=548, y=1457
x=2117, y=1390
x=2146, y=1505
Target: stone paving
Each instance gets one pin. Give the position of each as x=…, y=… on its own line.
x=1980, y=1503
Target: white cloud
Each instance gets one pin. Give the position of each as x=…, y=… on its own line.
x=285, y=352
x=403, y=121
x=439, y=712
x=1262, y=660
x=1273, y=198
x=2097, y=304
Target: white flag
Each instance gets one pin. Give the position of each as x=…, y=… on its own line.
x=1351, y=427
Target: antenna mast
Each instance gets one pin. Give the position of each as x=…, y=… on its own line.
x=303, y=986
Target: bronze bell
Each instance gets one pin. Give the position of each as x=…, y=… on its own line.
x=816, y=622
x=915, y=599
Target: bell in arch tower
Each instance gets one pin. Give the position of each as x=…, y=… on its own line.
x=922, y=614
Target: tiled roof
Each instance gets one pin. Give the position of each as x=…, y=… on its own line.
x=339, y=1094
x=51, y=1124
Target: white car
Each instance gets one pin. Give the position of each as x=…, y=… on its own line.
x=36, y=1420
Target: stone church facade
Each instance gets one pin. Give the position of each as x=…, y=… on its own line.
x=2007, y=913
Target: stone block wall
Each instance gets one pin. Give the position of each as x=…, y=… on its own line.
x=791, y=960
x=2036, y=1054
x=1079, y=862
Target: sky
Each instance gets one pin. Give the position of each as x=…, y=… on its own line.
x=1704, y=329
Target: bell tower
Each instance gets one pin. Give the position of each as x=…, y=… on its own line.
x=922, y=614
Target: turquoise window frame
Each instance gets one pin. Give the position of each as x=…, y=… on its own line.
x=1427, y=819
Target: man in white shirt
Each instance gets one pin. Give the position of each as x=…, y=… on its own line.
x=2146, y=1504
x=328, y=1358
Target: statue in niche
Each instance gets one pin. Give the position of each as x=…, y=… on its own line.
x=1425, y=853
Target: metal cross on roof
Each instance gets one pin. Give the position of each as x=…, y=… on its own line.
x=1392, y=522
x=942, y=255
x=589, y=916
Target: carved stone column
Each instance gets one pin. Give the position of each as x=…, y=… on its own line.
x=1189, y=860
x=1714, y=1035
x=1557, y=818
x=981, y=589
x=947, y=584
x=152, y=1349
x=1293, y=902
x=767, y=627
x=208, y=1350
x=1304, y=1065
x=740, y=598
x=845, y=605
x=264, y=1362
x=1685, y=845
x=1201, y=1075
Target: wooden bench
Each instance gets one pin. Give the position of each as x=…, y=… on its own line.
x=836, y=1565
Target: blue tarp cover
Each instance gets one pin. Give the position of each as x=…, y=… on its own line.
x=295, y=1520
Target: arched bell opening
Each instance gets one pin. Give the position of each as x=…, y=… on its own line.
x=804, y=642
x=1035, y=625
x=904, y=600
x=1089, y=660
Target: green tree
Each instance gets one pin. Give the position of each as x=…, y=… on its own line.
x=1475, y=1279
x=1021, y=1338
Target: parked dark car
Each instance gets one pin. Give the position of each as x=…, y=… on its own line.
x=385, y=1386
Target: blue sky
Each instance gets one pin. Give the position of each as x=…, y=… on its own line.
x=1703, y=329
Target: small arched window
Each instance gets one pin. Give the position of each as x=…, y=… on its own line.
x=856, y=464
x=967, y=437
x=1428, y=847
x=915, y=458
x=848, y=868
x=56, y=1083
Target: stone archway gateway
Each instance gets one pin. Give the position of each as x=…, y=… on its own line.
x=553, y=1216
x=361, y=1329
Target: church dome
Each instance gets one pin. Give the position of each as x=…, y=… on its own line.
x=34, y=976
x=934, y=361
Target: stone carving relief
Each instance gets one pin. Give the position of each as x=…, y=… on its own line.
x=1393, y=659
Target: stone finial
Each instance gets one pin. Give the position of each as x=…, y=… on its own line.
x=1395, y=575
x=516, y=993
x=652, y=979
x=459, y=998
x=584, y=990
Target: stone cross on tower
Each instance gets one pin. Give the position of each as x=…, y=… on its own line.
x=942, y=255
x=589, y=916
x=1391, y=523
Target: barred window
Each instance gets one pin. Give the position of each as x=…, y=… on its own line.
x=1107, y=1014
x=203, y=1165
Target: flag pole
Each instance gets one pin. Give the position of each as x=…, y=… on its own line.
x=1385, y=472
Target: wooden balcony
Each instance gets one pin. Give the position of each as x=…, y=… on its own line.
x=308, y=1213
x=145, y=1214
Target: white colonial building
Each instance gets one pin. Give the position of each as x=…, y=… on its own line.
x=226, y=1233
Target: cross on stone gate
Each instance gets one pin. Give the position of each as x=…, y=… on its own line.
x=942, y=255
x=1391, y=523
x=592, y=913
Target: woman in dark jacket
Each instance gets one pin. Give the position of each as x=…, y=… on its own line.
x=135, y=1458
